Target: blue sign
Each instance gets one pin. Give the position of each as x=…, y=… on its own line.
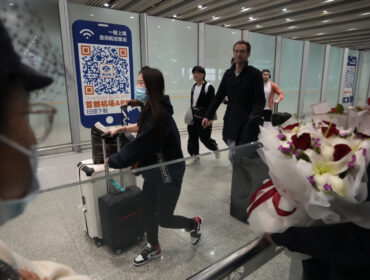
x=349, y=79
x=103, y=58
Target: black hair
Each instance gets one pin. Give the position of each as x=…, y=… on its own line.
x=242, y=42
x=154, y=83
x=266, y=70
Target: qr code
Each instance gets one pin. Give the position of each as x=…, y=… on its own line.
x=349, y=76
x=105, y=78
x=105, y=68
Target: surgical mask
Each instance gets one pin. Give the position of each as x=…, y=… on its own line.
x=140, y=94
x=9, y=209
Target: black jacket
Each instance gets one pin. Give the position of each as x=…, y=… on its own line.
x=344, y=249
x=204, y=99
x=246, y=101
x=148, y=150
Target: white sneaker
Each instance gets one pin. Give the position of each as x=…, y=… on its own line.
x=193, y=161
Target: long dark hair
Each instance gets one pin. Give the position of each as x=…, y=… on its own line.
x=154, y=84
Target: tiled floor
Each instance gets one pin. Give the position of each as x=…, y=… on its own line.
x=53, y=224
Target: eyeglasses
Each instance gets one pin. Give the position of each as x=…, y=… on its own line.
x=40, y=118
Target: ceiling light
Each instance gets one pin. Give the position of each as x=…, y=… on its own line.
x=293, y=37
x=288, y=19
x=327, y=20
x=319, y=34
x=106, y=5
x=350, y=29
x=258, y=26
x=215, y=17
x=11, y=4
x=91, y=15
x=252, y=18
x=328, y=1
x=189, y=27
x=132, y=17
x=200, y=7
x=366, y=14
x=285, y=10
x=244, y=9
x=226, y=25
x=325, y=12
x=175, y=16
x=291, y=27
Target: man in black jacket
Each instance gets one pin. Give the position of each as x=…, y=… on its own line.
x=242, y=84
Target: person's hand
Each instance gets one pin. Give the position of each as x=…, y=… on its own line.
x=206, y=122
x=277, y=101
x=29, y=275
x=265, y=240
x=113, y=131
x=268, y=238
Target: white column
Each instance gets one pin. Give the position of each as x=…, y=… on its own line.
x=277, y=60
x=144, y=53
x=302, y=87
x=201, y=44
x=325, y=73
x=71, y=83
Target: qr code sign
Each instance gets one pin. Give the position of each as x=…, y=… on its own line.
x=105, y=77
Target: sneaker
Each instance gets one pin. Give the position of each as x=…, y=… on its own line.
x=147, y=254
x=193, y=161
x=196, y=233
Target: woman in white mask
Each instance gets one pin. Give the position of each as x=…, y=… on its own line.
x=18, y=181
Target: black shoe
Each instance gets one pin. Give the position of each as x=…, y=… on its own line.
x=147, y=254
x=196, y=233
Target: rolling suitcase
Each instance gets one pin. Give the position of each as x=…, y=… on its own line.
x=91, y=191
x=279, y=118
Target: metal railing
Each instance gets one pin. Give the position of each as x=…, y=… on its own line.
x=241, y=263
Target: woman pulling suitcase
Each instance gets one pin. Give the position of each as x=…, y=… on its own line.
x=157, y=141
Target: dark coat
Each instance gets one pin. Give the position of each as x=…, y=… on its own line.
x=147, y=149
x=246, y=101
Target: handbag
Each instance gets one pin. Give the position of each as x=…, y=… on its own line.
x=189, y=117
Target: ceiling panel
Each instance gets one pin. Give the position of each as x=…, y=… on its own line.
x=337, y=22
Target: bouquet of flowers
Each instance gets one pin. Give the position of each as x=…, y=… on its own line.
x=318, y=173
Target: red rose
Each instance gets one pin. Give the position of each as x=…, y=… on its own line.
x=302, y=142
x=332, y=130
x=334, y=110
x=340, y=151
x=291, y=126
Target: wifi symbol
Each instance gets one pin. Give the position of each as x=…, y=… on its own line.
x=87, y=33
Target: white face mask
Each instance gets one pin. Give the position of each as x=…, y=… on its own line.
x=12, y=208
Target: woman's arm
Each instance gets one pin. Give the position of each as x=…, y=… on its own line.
x=132, y=128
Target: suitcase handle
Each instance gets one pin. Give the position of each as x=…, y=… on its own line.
x=276, y=106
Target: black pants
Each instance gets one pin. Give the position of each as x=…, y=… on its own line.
x=159, y=202
x=196, y=132
x=267, y=115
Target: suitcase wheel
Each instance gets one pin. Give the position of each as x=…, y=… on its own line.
x=98, y=242
x=118, y=252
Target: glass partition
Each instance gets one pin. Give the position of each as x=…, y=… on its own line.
x=218, y=52
x=314, y=76
x=334, y=75
x=290, y=74
x=173, y=49
x=131, y=20
x=263, y=51
x=35, y=31
x=61, y=221
x=364, y=79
